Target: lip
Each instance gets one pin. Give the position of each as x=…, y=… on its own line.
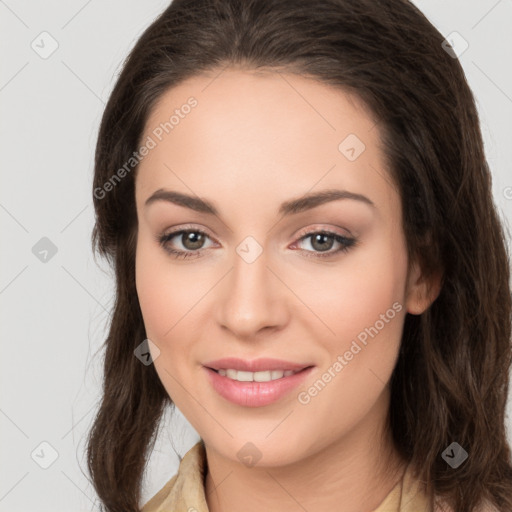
x=255, y=394
x=255, y=365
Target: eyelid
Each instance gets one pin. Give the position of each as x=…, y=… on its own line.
x=322, y=227
x=164, y=239
x=346, y=242
x=188, y=227
x=308, y=231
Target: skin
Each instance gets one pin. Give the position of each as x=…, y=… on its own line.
x=254, y=141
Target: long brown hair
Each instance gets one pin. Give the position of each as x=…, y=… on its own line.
x=450, y=383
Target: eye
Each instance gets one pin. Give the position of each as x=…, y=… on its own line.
x=322, y=241
x=191, y=240
x=192, y=243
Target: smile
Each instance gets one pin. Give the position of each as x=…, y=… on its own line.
x=262, y=376
x=255, y=389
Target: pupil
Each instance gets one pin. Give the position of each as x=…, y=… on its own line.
x=321, y=238
x=193, y=240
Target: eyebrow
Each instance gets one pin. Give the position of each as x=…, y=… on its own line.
x=291, y=207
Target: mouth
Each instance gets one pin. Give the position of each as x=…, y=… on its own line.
x=255, y=365
x=260, y=376
x=267, y=382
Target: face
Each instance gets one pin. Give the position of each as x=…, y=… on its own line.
x=321, y=284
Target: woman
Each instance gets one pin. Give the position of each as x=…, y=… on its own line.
x=309, y=265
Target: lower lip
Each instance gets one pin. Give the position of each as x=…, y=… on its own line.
x=255, y=394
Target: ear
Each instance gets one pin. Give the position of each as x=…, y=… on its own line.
x=422, y=290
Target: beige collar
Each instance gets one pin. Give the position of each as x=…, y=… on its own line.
x=185, y=492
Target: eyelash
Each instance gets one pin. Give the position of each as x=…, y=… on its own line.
x=346, y=243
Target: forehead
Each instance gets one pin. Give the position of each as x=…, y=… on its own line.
x=267, y=134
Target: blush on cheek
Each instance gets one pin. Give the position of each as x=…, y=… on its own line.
x=370, y=333
x=154, y=303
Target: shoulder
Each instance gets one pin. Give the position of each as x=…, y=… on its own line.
x=442, y=506
x=159, y=497
x=186, y=487
x=415, y=496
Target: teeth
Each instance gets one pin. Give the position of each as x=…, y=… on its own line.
x=264, y=376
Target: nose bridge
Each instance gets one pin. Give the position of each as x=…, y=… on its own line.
x=250, y=298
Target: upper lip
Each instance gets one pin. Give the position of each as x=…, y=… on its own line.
x=254, y=365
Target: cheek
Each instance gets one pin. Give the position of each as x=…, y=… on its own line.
x=152, y=290
x=170, y=300
x=361, y=302
x=365, y=310
x=353, y=295
x=160, y=292
x=164, y=292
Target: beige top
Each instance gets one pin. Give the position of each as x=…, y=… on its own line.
x=184, y=492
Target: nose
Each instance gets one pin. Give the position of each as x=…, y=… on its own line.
x=251, y=299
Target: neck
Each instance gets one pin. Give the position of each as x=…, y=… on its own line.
x=354, y=473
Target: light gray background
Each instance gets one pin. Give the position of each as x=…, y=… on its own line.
x=54, y=314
